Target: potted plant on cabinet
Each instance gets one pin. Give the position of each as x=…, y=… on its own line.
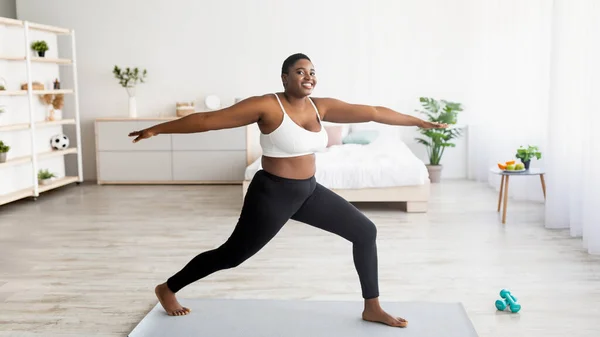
x=3, y=151
x=526, y=154
x=40, y=47
x=45, y=177
x=128, y=79
x=437, y=140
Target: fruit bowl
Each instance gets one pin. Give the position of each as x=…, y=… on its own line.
x=514, y=171
x=511, y=167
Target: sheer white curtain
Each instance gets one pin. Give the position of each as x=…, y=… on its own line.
x=573, y=152
x=535, y=79
x=508, y=94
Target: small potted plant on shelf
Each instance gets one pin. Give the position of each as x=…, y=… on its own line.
x=2, y=84
x=437, y=140
x=45, y=177
x=40, y=47
x=526, y=154
x=3, y=151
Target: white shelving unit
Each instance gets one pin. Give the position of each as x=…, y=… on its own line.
x=24, y=126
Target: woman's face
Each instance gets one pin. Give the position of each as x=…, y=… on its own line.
x=301, y=78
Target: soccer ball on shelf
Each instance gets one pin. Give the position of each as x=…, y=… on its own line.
x=59, y=142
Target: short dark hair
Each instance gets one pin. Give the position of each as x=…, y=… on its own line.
x=291, y=60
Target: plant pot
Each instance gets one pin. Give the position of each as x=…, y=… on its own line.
x=526, y=163
x=435, y=173
x=2, y=157
x=41, y=53
x=46, y=181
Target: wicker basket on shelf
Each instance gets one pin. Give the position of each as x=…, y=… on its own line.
x=184, y=108
x=34, y=85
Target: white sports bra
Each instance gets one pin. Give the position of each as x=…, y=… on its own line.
x=292, y=140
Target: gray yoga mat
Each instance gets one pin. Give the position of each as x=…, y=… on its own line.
x=298, y=318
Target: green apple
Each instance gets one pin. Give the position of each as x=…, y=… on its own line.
x=520, y=166
x=510, y=167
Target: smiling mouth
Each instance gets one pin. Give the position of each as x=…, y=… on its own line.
x=307, y=85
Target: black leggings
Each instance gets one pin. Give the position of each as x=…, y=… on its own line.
x=269, y=203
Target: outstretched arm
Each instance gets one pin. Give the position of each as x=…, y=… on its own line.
x=242, y=113
x=337, y=111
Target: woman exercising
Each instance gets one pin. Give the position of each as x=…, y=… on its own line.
x=285, y=188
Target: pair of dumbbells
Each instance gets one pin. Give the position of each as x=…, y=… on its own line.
x=508, y=300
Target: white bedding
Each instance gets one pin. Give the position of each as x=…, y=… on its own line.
x=383, y=163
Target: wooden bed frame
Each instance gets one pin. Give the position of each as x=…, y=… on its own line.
x=414, y=198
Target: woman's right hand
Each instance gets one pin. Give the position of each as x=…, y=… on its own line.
x=143, y=134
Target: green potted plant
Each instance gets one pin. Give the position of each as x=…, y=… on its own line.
x=3, y=151
x=128, y=79
x=40, y=47
x=45, y=177
x=526, y=154
x=437, y=140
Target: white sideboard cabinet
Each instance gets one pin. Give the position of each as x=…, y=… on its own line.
x=214, y=157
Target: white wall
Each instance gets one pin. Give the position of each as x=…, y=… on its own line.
x=8, y=9
x=386, y=53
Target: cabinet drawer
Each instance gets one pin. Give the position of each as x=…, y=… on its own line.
x=209, y=165
x=226, y=139
x=134, y=166
x=113, y=136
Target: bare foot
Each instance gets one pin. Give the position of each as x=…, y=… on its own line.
x=374, y=313
x=169, y=301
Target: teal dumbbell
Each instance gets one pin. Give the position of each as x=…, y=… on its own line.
x=508, y=300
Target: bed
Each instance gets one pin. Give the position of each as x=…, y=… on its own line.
x=384, y=170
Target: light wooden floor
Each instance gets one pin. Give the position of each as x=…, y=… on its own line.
x=83, y=261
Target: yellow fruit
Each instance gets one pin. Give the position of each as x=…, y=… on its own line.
x=510, y=167
x=510, y=162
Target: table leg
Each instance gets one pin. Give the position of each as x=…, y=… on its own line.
x=500, y=194
x=543, y=185
x=505, y=199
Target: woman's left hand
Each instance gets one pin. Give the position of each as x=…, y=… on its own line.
x=433, y=125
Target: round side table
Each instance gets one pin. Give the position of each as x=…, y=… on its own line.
x=503, y=195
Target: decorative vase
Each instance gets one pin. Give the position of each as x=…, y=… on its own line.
x=526, y=164
x=2, y=157
x=51, y=114
x=435, y=173
x=132, y=102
